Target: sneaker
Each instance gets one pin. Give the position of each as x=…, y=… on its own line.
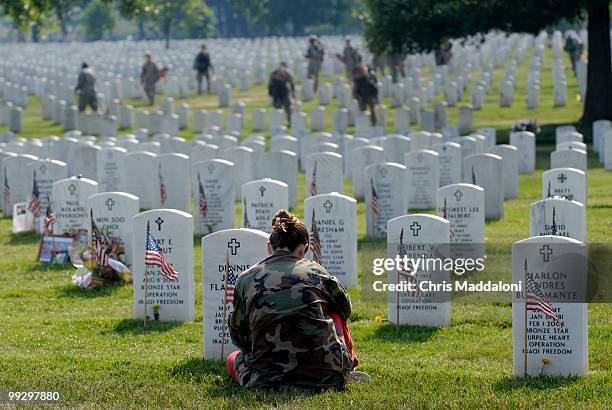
x=358, y=377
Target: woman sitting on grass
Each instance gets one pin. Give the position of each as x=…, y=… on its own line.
x=289, y=318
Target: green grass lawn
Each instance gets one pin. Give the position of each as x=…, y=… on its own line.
x=86, y=344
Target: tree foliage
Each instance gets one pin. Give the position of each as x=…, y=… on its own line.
x=191, y=17
x=97, y=19
x=295, y=16
x=422, y=25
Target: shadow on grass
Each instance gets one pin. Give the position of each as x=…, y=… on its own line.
x=24, y=238
x=411, y=334
x=509, y=384
x=136, y=327
x=72, y=291
x=217, y=383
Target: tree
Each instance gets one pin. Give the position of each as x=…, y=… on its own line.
x=422, y=25
x=97, y=19
x=295, y=16
x=63, y=10
x=191, y=15
x=199, y=21
x=26, y=14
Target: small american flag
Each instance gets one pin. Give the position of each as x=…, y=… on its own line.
x=49, y=218
x=312, y=190
x=445, y=216
x=7, y=190
x=230, y=285
x=162, y=187
x=34, y=205
x=536, y=300
x=154, y=256
x=374, y=205
x=100, y=244
x=315, y=241
x=245, y=213
x=202, y=203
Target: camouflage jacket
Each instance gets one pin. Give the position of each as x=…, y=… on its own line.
x=280, y=324
x=150, y=73
x=86, y=83
x=351, y=58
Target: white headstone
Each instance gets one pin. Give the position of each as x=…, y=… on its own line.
x=463, y=206
x=418, y=236
x=569, y=158
x=46, y=172
x=486, y=171
x=69, y=204
x=282, y=166
x=450, y=159
x=173, y=181
x=213, y=194
x=361, y=157
x=244, y=248
x=385, y=197
x=261, y=199
x=172, y=231
x=335, y=218
x=113, y=213
x=17, y=178
x=525, y=142
x=560, y=217
x=510, y=158
x=396, y=146
x=423, y=177
x=550, y=264
x=110, y=168
x=568, y=183
x=324, y=173
x=141, y=178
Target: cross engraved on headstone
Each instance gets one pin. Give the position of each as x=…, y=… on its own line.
x=420, y=158
x=159, y=223
x=545, y=251
x=211, y=168
x=415, y=228
x=262, y=189
x=43, y=169
x=110, y=203
x=72, y=189
x=458, y=195
x=383, y=172
x=444, y=148
x=328, y=205
x=234, y=245
x=109, y=154
x=561, y=178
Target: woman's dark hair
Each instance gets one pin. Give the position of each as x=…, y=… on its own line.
x=288, y=231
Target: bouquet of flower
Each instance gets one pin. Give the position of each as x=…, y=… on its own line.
x=526, y=125
x=101, y=263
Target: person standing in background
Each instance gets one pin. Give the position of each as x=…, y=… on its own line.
x=149, y=77
x=202, y=66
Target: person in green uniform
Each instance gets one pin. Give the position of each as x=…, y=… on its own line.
x=289, y=318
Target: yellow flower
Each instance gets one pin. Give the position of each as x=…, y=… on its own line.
x=378, y=319
x=546, y=360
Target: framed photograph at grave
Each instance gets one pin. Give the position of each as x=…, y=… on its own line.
x=54, y=248
x=20, y=218
x=81, y=238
